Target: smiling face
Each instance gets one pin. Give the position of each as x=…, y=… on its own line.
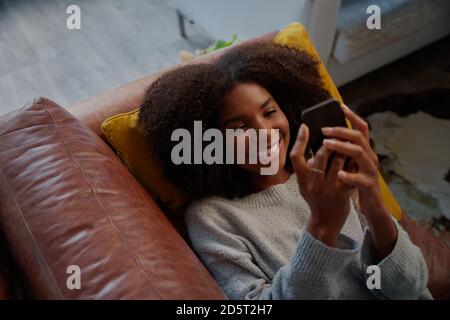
x=249, y=105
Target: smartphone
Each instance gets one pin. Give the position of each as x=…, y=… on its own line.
x=324, y=114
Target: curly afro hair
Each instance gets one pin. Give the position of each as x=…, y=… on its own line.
x=196, y=92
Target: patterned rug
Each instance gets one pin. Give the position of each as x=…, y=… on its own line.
x=411, y=135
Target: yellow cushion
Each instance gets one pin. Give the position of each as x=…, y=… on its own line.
x=127, y=138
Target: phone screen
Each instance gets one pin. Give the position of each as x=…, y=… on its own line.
x=324, y=114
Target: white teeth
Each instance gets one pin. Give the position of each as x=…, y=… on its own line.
x=275, y=148
x=268, y=154
x=271, y=153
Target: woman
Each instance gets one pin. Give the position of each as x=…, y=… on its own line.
x=295, y=234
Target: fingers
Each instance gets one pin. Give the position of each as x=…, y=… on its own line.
x=357, y=123
x=354, y=179
x=298, y=151
x=319, y=166
x=353, y=151
x=342, y=133
x=310, y=163
x=353, y=136
x=337, y=164
x=351, y=166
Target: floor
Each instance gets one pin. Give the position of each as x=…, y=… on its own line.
x=416, y=74
x=119, y=41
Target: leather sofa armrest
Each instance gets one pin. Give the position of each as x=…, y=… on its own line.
x=66, y=199
x=436, y=254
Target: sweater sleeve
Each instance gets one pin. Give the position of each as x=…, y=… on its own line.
x=403, y=273
x=312, y=272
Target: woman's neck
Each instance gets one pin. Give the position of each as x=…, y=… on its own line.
x=262, y=182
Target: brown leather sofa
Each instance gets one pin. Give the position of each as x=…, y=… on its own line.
x=67, y=199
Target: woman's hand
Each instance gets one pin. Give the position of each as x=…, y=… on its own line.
x=354, y=143
x=327, y=196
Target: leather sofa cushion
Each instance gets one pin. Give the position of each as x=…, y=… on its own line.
x=436, y=253
x=66, y=199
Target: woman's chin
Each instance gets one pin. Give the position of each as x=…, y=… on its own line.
x=268, y=161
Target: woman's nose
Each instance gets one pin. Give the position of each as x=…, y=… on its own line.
x=265, y=127
x=262, y=124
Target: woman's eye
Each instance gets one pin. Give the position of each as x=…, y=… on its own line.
x=241, y=127
x=269, y=113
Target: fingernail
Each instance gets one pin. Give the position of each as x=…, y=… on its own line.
x=327, y=130
x=345, y=107
x=329, y=142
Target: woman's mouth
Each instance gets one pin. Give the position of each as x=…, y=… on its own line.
x=271, y=153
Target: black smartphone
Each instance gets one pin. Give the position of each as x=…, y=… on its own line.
x=324, y=114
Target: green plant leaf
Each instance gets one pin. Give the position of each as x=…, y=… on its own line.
x=219, y=44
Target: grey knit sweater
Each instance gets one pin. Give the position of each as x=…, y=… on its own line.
x=257, y=247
